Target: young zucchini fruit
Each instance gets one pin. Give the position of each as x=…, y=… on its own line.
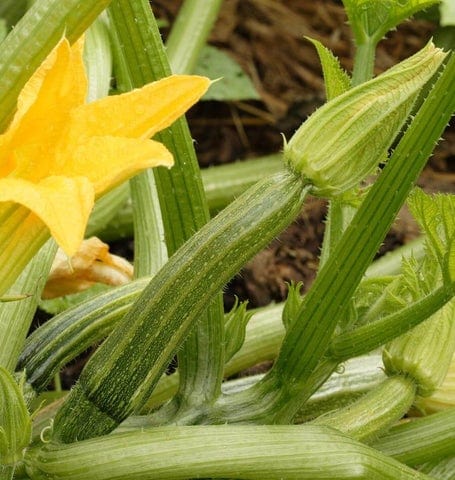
x=121, y=375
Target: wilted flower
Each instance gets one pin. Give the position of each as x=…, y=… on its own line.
x=91, y=264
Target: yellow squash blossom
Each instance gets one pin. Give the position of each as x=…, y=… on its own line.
x=59, y=153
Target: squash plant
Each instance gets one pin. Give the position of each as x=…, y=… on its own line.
x=301, y=420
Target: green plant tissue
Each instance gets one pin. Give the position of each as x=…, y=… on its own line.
x=233, y=83
x=447, y=9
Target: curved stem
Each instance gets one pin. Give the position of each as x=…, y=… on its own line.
x=225, y=451
x=16, y=317
x=370, y=336
x=375, y=411
x=421, y=440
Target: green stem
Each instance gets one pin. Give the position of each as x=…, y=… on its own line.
x=364, y=62
x=33, y=38
x=68, y=334
x=375, y=411
x=98, y=59
x=150, y=251
x=16, y=317
x=224, y=183
x=358, y=376
x=189, y=33
x=225, y=451
x=368, y=337
x=423, y=440
x=21, y=237
x=339, y=216
x=182, y=201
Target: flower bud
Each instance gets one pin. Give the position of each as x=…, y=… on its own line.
x=443, y=397
x=344, y=141
x=425, y=352
x=15, y=422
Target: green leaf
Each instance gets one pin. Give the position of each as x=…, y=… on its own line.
x=374, y=297
x=436, y=217
x=447, y=10
x=234, y=84
x=336, y=80
x=420, y=278
x=372, y=19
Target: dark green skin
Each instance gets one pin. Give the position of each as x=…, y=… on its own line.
x=124, y=370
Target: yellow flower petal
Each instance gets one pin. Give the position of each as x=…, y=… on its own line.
x=32, y=162
x=54, y=90
x=141, y=112
x=108, y=161
x=63, y=204
x=7, y=163
x=58, y=152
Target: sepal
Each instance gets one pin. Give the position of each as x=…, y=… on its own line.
x=234, y=327
x=292, y=304
x=336, y=80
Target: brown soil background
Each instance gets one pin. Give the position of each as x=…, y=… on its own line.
x=266, y=38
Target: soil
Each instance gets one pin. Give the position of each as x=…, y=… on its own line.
x=266, y=37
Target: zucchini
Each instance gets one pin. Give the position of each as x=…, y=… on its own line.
x=121, y=375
